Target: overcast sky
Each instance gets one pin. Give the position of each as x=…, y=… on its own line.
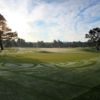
x=66, y=20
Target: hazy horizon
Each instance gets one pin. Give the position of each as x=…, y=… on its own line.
x=48, y=20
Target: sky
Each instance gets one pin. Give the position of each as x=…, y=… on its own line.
x=48, y=20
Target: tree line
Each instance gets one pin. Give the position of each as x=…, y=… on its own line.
x=42, y=44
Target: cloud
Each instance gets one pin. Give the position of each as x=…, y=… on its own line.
x=89, y=4
x=88, y=14
x=46, y=20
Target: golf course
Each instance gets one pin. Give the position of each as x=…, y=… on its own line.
x=49, y=74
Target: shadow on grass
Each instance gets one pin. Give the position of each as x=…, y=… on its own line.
x=12, y=90
x=44, y=52
x=92, y=50
x=14, y=59
x=92, y=94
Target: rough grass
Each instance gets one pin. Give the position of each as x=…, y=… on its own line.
x=49, y=74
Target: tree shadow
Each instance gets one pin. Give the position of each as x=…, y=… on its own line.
x=14, y=59
x=92, y=94
x=91, y=49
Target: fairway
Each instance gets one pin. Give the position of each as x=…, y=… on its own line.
x=49, y=74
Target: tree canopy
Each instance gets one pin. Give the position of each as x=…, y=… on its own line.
x=94, y=37
x=5, y=32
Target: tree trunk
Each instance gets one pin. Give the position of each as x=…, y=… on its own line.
x=98, y=46
x=1, y=44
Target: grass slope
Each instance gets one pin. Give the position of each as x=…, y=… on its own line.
x=49, y=74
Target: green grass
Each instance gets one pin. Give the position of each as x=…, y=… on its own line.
x=49, y=74
x=49, y=55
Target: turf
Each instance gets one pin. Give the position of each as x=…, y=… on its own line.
x=49, y=74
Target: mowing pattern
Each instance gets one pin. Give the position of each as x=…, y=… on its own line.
x=48, y=81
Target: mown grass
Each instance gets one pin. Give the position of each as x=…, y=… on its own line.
x=27, y=55
x=49, y=74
